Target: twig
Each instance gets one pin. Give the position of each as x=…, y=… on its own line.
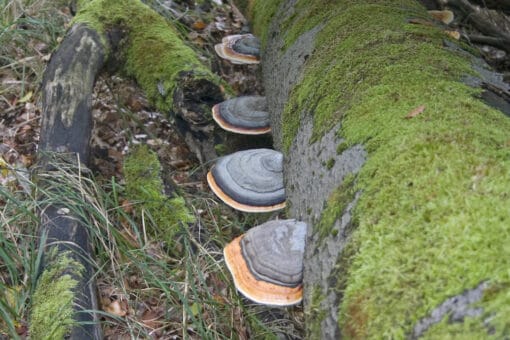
x=493, y=41
x=487, y=21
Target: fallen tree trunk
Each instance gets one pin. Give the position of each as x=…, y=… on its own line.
x=134, y=38
x=65, y=299
x=398, y=166
x=146, y=47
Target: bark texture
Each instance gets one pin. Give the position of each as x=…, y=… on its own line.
x=66, y=128
x=395, y=248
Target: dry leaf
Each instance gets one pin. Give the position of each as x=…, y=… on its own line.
x=415, y=112
x=199, y=25
x=453, y=34
x=115, y=308
x=445, y=16
x=26, y=97
x=152, y=317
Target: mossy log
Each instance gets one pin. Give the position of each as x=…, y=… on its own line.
x=138, y=42
x=65, y=296
x=397, y=156
x=171, y=73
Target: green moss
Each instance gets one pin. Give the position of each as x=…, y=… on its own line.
x=221, y=149
x=155, y=53
x=144, y=187
x=53, y=299
x=458, y=330
x=261, y=13
x=330, y=163
x=315, y=314
x=345, y=65
x=341, y=147
x=336, y=204
x=433, y=214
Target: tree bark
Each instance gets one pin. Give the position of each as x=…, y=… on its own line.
x=387, y=170
x=66, y=128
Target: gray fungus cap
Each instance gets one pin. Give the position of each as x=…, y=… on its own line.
x=250, y=180
x=266, y=263
x=244, y=115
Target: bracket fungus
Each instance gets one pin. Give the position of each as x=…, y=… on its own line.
x=245, y=115
x=266, y=263
x=239, y=49
x=249, y=180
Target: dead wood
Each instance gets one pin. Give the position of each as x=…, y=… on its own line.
x=66, y=127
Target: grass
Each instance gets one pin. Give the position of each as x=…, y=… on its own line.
x=28, y=31
x=19, y=258
x=191, y=294
x=162, y=294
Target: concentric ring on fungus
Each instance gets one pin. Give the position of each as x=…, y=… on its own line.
x=249, y=180
x=239, y=49
x=266, y=263
x=245, y=115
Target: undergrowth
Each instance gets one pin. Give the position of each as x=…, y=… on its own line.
x=29, y=31
x=146, y=289
x=190, y=296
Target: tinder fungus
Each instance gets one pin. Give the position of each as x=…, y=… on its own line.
x=250, y=180
x=239, y=49
x=245, y=115
x=266, y=263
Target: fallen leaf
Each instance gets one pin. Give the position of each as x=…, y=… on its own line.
x=195, y=309
x=4, y=167
x=199, y=25
x=152, y=317
x=115, y=308
x=453, y=34
x=415, y=112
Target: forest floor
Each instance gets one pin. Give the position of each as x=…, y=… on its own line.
x=145, y=290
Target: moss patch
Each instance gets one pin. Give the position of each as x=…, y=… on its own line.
x=53, y=298
x=336, y=204
x=341, y=147
x=330, y=163
x=315, y=314
x=433, y=216
x=145, y=188
x=357, y=51
x=261, y=13
x=155, y=53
